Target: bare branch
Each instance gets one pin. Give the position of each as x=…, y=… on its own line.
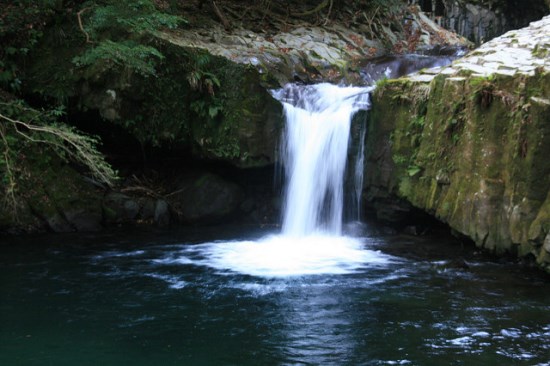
x=329, y=10
x=79, y=147
x=11, y=199
x=317, y=9
x=220, y=15
x=79, y=16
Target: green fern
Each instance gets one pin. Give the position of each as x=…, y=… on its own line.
x=118, y=32
x=137, y=17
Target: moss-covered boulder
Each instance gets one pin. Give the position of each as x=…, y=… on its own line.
x=470, y=145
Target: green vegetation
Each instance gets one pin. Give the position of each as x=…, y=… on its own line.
x=137, y=57
x=22, y=25
x=116, y=31
x=540, y=52
x=48, y=46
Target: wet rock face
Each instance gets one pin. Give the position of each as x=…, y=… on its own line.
x=469, y=144
x=393, y=67
x=480, y=21
x=475, y=22
x=518, y=52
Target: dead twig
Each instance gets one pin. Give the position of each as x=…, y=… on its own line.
x=139, y=189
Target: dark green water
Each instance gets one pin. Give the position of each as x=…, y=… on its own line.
x=115, y=299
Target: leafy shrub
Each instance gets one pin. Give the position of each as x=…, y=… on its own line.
x=21, y=27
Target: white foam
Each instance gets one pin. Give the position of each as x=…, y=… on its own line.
x=461, y=341
x=511, y=333
x=481, y=334
x=283, y=256
x=168, y=261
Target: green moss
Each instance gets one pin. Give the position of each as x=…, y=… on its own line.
x=54, y=187
x=46, y=190
x=445, y=210
x=540, y=52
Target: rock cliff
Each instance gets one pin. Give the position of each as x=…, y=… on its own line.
x=480, y=21
x=469, y=144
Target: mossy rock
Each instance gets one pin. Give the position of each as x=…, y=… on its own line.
x=488, y=135
x=245, y=130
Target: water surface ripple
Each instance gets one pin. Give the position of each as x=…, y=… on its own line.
x=151, y=299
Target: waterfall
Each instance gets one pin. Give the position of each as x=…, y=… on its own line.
x=314, y=152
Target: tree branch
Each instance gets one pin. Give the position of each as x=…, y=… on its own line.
x=79, y=16
x=317, y=9
x=11, y=200
x=220, y=16
x=82, y=147
x=329, y=10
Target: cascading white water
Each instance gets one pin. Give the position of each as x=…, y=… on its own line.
x=314, y=152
